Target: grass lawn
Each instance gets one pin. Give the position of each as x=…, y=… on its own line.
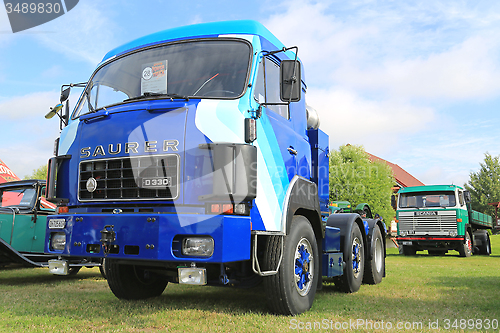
x=417, y=292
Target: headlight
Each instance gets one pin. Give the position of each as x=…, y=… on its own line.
x=403, y=233
x=198, y=246
x=58, y=241
x=453, y=233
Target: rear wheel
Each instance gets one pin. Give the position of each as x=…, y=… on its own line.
x=354, y=259
x=291, y=291
x=374, y=269
x=133, y=282
x=465, y=249
x=485, y=248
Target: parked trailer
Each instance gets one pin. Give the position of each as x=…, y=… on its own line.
x=439, y=218
x=191, y=157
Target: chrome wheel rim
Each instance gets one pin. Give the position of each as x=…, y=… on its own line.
x=304, y=267
x=356, y=257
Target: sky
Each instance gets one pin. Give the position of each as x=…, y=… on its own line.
x=416, y=83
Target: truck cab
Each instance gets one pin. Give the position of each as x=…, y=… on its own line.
x=438, y=218
x=191, y=157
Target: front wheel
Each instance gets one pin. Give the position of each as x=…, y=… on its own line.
x=291, y=291
x=132, y=281
x=465, y=249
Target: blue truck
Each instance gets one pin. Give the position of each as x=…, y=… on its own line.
x=191, y=157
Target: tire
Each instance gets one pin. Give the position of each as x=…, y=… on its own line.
x=132, y=281
x=465, y=249
x=409, y=250
x=101, y=268
x=354, y=258
x=291, y=291
x=374, y=268
x=485, y=248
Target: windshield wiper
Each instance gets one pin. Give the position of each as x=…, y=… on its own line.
x=148, y=94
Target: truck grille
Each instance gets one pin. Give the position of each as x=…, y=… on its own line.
x=440, y=224
x=123, y=178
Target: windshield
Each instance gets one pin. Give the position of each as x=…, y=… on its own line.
x=17, y=197
x=424, y=200
x=202, y=69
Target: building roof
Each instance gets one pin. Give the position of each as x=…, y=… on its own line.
x=403, y=178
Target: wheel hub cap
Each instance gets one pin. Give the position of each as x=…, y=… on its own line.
x=304, y=266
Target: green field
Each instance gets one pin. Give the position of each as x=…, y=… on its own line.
x=416, y=292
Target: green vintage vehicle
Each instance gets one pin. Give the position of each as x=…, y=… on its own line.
x=23, y=222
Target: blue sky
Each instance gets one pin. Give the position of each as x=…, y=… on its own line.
x=415, y=82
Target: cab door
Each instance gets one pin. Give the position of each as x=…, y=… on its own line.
x=22, y=224
x=267, y=92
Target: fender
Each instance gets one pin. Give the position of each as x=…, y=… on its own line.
x=9, y=255
x=345, y=222
x=302, y=199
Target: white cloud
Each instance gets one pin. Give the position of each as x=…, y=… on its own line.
x=388, y=75
x=89, y=39
x=21, y=108
x=27, y=137
x=349, y=118
x=467, y=71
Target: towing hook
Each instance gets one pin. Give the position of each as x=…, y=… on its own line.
x=108, y=235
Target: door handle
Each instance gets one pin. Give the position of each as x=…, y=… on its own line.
x=292, y=151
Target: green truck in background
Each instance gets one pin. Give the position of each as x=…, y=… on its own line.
x=439, y=218
x=23, y=222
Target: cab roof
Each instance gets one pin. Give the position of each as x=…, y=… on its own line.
x=429, y=188
x=204, y=30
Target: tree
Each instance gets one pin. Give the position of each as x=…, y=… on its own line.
x=40, y=173
x=357, y=179
x=484, y=185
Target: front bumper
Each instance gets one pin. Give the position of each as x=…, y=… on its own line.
x=153, y=236
x=430, y=242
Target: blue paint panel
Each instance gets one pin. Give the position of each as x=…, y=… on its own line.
x=246, y=27
x=319, y=142
x=331, y=242
x=332, y=264
x=231, y=235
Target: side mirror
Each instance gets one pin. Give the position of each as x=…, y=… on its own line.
x=64, y=94
x=290, y=81
x=53, y=111
x=467, y=196
x=393, y=202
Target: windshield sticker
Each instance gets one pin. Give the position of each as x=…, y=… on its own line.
x=154, y=77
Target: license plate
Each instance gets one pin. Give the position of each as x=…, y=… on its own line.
x=155, y=182
x=57, y=223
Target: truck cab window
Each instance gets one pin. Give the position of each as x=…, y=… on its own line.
x=461, y=198
x=196, y=69
x=267, y=88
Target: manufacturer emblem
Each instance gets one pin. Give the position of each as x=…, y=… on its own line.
x=91, y=184
x=117, y=211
